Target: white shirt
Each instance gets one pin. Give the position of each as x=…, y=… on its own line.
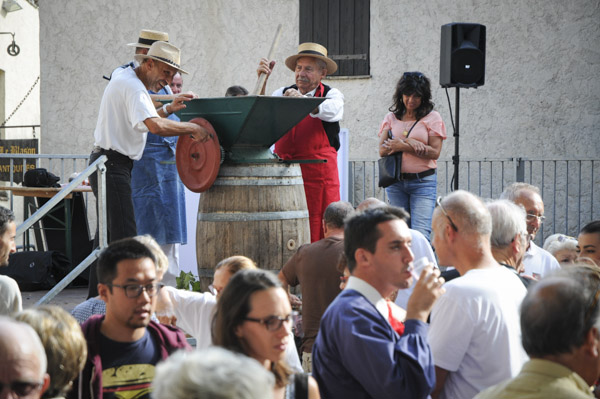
x=330, y=110
x=538, y=262
x=420, y=248
x=475, y=331
x=194, y=312
x=125, y=106
x=369, y=292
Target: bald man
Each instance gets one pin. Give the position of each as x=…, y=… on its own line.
x=22, y=361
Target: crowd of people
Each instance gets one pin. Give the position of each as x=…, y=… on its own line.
x=424, y=297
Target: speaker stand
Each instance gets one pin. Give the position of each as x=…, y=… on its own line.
x=456, y=157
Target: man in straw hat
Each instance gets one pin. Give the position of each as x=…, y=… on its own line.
x=126, y=115
x=316, y=136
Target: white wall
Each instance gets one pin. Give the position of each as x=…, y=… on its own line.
x=21, y=71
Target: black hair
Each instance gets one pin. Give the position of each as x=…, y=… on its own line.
x=361, y=230
x=235, y=91
x=412, y=83
x=126, y=248
x=6, y=216
x=591, y=228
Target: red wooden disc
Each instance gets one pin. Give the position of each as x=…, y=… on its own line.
x=198, y=163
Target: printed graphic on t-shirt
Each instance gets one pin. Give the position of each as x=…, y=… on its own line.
x=132, y=381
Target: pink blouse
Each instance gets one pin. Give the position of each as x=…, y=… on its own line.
x=430, y=125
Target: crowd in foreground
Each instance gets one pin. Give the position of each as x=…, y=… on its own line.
x=490, y=332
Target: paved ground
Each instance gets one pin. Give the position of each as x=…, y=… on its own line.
x=67, y=299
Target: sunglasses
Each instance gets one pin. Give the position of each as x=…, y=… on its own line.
x=418, y=76
x=20, y=388
x=439, y=203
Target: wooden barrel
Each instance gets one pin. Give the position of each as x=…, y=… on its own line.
x=255, y=210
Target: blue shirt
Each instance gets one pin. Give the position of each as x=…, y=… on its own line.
x=357, y=354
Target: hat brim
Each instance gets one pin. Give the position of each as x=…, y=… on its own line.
x=290, y=62
x=140, y=57
x=140, y=45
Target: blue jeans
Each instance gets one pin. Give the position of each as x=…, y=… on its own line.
x=417, y=197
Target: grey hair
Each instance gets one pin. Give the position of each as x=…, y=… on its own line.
x=321, y=63
x=213, y=373
x=336, y=212
x=508, y=220
x=21, y=338
x=468, y=212
x=511, y=192
x=558, y=242
x=559, y=311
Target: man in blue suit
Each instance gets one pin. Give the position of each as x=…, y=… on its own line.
x=361, y=351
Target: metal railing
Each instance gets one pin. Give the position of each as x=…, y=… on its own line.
x=97, y=166
x=570, y=187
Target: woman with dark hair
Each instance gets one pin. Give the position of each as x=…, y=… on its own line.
x=417, y=131
x=254, y=317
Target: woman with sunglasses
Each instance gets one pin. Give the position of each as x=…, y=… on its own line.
x=254, y=317
x=416, y=131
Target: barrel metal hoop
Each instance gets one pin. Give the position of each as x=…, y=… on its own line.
x=247, y=217
x=257, y=182
x=260, y=171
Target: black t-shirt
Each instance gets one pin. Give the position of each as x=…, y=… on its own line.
x=128, y=367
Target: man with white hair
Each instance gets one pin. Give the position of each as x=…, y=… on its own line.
x=474, y=334
x=509, y=236
x=22, y=361
x=560, y=324
x=537, y=262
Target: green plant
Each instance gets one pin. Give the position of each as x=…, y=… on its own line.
x=187, y=280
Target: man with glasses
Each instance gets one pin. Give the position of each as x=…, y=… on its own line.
x=474, y=334
x=22, y=361
x=509, y=236
x=124, y=346
x=537, y=262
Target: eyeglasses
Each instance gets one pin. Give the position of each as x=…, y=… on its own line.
x=135, y=290
x=531, y=216
x=439, y=203
x=20, y=388
x=564, y=238
x=418, y=76
x=274, y=323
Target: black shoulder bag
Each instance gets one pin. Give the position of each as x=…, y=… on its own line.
x=390, y=167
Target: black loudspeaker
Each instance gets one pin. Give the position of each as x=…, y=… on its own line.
x=462, y=55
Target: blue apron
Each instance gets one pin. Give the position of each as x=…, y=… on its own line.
x=157, y=191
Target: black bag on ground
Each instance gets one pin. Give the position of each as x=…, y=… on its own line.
x=40, y=177
x=37, y=270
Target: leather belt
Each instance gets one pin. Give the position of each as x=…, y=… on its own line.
x=413, y=176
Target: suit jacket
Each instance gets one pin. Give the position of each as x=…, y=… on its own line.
x=357, y=354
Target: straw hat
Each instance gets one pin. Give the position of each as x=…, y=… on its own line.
x=147, y=37
x=163, y=52
x=313, y=50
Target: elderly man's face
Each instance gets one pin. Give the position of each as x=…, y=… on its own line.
x=20, y=375
x=308, y=74
x=534, y=207
x=7, y=243
x=159, y=75
x=177, y=83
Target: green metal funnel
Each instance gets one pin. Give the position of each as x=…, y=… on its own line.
x=248, y=126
